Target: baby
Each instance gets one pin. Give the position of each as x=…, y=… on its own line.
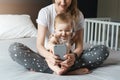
x=63, y=32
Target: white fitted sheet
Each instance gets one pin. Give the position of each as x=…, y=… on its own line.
x=10, y=70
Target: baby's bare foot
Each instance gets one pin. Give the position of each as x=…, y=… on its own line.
x=60, y=71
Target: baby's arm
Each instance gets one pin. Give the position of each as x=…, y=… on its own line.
x=52, y=41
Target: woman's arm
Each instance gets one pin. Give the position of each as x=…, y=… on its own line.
x=42, y=30
x=79, y=42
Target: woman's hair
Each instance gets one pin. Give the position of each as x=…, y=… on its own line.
x=63, y=17
x=73, y=10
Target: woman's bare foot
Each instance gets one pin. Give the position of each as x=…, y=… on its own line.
x=30, y=69
x=80, y=71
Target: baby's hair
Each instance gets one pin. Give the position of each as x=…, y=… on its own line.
x=64, y=18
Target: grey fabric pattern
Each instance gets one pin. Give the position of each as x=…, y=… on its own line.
x=91, y=58
x=27, y=58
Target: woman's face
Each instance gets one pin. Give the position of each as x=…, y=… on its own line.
x=62, y=5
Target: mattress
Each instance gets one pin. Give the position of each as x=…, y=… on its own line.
x=10, y=70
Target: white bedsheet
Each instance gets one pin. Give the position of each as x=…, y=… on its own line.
x=9, y=70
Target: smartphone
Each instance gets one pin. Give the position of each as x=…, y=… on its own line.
x=60, y=50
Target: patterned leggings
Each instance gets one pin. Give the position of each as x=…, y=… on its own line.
x=91, y=58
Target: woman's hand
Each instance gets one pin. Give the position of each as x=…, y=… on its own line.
x=70, y=59
x=53, y=59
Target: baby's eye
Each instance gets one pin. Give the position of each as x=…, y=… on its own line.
x=60, y=30
x=68, y=30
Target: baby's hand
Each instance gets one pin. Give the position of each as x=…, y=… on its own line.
x=53, y=39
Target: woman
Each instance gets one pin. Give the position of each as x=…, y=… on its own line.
x=59, y=6
x=77, y=63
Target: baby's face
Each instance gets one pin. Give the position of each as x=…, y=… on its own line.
x=63, y=30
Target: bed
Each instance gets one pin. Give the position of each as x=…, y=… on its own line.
x=14, y=26
x=10, y=70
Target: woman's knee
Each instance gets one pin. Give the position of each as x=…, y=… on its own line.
x=13, y=50
x=16, y=50
x=15, y=47
x=101, y=51
x=95, y=54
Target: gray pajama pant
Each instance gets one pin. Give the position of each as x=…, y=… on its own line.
x=91, y=58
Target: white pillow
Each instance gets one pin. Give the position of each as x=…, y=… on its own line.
x=16, y=26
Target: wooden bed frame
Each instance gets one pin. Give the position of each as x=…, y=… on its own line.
x=30, y=7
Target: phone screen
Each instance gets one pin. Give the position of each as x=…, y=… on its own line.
x=60, y=50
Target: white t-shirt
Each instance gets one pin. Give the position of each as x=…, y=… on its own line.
x=46, y=18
